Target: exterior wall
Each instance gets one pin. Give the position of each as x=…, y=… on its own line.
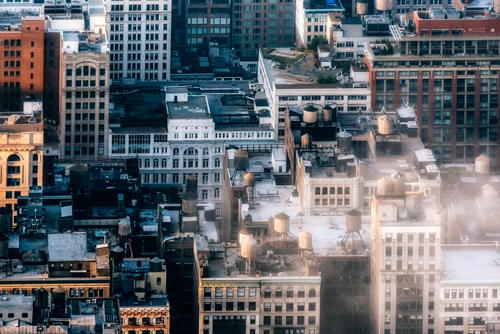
x=23, y=59
x=139, y=37
x=154, y=319
x=458, y=97
x=257, y=25
x=345, y=282
x=179, y=259
x=208, y=21
x=255, y=305
x=28, y=147
x=84, y=132
x=52, y=75
x=91, y=287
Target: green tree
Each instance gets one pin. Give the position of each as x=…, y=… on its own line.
x=329, y=79
x=313, y=45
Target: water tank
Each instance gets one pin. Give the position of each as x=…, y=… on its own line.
x=385, y=125
x=248, y=217
x=5, y=220
x=306, y=141
x=384, y=186
x=482, y=164
x=249, y=180
x=327, y=114
x=4, y=246
x=189, y=203
x=362, y=7
x=383, y=5
x=244, y=233
x=344, y=140
x=281, y=223
x=305, y=240
x=79, y=176
x=353, y=221
x=118, y=254
x=240, y=160
x=124, y=227
x=59, y=300
x=192, y=184
x=398, y=183
x=155, y=264
x=41, y=298
x=249, y=248
x=310, y=114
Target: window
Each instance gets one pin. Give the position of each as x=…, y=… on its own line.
x=301, y=293
x=218, y=292
x=229, y=293
x=312, y=293
x=278, y=307
x=229, y=306
x=278, y=320
x=278, y=294
x=207, y=306
x=267, y=293
x=267, y=307
x=301, y=307
x=289, y=294
x=312, y=320
x=207, y=293
x=289, y=307
x=241, y=292
x=241, y=306
x=312, y=306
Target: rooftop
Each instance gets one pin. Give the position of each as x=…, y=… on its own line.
x=16, y=303
x=68, y=247
x=323, y=6
x=195, y=108
x=153, y=300
x=482, y=263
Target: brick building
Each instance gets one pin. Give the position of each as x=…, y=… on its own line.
x=448, y=70
x=22, y=53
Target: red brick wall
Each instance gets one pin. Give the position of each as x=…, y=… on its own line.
x=28, y=76
x=469, y=27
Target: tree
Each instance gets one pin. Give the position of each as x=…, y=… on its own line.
x=329, y=79
x=313, y=45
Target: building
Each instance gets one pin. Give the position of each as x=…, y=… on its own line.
x=208, y=22
x=263, y=26
x=85, y=96
x=405, y=268
x=469, y=298
x=23, y=49
x=143, y=302
x=139, y=40
x=312, y=18
x=449, y=72
x=51, y=312
x=298, y=86
x=21, y=151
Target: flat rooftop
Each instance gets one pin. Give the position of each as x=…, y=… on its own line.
x=68, y=247
x=323, y=5
x=16, y=303
x=470, y=264
x=195, y=108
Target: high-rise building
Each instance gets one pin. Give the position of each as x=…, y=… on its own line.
x=22, y=55
x=405, y=259
x=85, y=96
x=448, y=69
x=208, y=21
x=139, y=39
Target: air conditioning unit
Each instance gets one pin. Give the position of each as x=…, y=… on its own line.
x=94, y=301
x=87, y=301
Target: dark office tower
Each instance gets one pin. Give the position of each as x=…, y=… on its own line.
x=208, y=21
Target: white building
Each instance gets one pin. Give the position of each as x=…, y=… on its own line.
x=405, y=263
x=283, y=89
x=139, y=39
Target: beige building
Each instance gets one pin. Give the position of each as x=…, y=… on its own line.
x=405, y=262
x=21, y=152
x=85, y=96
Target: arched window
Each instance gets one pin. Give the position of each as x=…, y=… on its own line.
x=176, y=151
x=147, y=163
x=156, y=163
x=13, y=157
x=163, y=163
x=205, y=151
x=347, y=191
x=35, y=157
x=301, y=293
x=218, y=292
x=317, y=191
x=332, y=191
x=312, y=293
x=339, y=191
x=325, y=191
x=191, y=151
x=216, y=192
x=207, y=293
x=217, y=162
